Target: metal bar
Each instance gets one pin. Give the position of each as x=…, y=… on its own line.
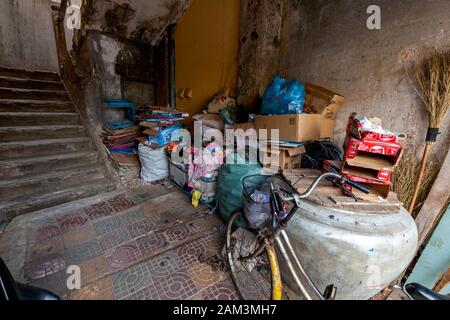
x=299, y=265
x=291, y=268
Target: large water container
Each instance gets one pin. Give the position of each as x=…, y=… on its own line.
x=360, y=253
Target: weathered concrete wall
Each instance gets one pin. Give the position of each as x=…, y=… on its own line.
x=326, y=42
x=27, y=39
x=140, y=20
x=260, y=39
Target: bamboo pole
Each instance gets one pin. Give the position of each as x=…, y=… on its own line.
x=426, y=154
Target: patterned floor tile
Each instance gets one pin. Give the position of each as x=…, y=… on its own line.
x=164, y=264
x=86, y=251
x=44, y=267
x=98, y=210
x=152, y=244
x=177, y=213
x=48, y=232
x=71, y=221
x=93, y=269
x=176, y=286
x=213, y=243
x=133, y=216
x=224, y=290
x=132, y=279
x=191, y=253
x=124, y=256
x=142, y=227
x=121, y=203
x=115, y=238
x=178, y=233
x=50, y=247
x=203, y=275
x=79, y=236
x=108, y=225
x=99, y=290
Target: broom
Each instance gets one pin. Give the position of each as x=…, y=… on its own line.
x=434, y=81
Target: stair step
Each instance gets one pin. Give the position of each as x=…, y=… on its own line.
x=16, y=168
x=34, y=75
x=9, y=119
x=18, y=83
x=49, y=182
x=27, y=94
x=10, y=105
x=21, y=149
x=9, y=210
x=40, y=132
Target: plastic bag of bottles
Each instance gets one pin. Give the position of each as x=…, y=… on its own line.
x=283, y=97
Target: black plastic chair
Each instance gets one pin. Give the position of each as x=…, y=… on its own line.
x=10, y=290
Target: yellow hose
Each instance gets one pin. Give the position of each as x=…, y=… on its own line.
x=277, y=287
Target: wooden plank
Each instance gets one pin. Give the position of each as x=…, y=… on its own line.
x=428, y=216
x=327, y=194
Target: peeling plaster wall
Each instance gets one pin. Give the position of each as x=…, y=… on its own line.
x=260, y=35
x=146, y=22
x=27, y=39
x=326, y=42
x=103, y=81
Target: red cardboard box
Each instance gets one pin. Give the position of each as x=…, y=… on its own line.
x=378, y=188
x=356, y=130
x=368, y=173
x=391, y=152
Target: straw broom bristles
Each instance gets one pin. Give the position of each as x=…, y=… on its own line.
x=434, y=82
x=404, y=180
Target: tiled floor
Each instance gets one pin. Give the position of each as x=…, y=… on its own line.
x=148, y=243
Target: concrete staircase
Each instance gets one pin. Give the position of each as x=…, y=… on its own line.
x=46, y=158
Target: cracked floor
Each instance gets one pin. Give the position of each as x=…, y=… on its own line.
x=147, y=243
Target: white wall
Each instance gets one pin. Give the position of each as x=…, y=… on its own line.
x=27, y=38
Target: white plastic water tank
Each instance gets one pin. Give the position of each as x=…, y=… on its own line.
x=360, y=253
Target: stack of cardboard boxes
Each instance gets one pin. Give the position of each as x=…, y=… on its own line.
x=370, y=159
x=317, y=122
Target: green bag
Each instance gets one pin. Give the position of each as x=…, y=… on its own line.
x=230, y=186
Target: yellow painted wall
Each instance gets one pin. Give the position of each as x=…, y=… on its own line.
x=207, y=44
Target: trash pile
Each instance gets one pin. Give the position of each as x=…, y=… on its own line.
x=159, y=124
x=122, y=137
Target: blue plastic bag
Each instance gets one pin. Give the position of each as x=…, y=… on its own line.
x=167, y=135
x=283, y=97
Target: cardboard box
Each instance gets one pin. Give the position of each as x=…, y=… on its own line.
x=364, y=153
x=318, y=121
x=296, y=127
x=288, y=158
x=368, y=173
x=244, y=126
x=322, y=101
x=378, y=188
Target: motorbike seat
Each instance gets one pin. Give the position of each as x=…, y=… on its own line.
x=419, y=292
